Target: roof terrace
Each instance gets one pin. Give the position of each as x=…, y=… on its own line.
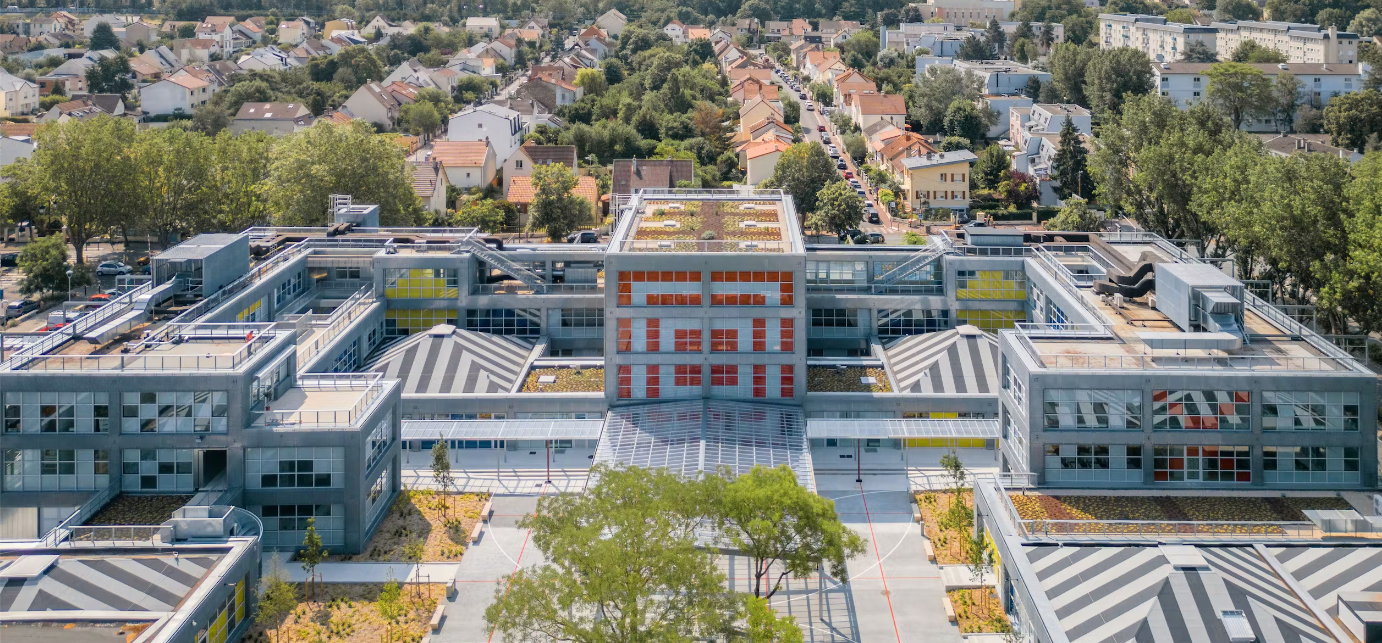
x=323, y=401
x=692, y=221
x=202, y=347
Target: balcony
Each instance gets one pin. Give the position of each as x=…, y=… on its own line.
x=322, y=401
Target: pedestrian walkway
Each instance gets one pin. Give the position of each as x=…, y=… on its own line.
x=506, y=481
x=361, y=572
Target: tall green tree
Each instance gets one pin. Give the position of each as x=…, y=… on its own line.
x=82, y=167
x=170, y=184
x=1069, y=64
x=995, y=37
x=1237, y=10
x=1076, y=216
x=838, y=208
x=1070, y=164
x=973, y=48
x=110, y=76
x=989, y=170
x=1114, y=74
x=1367, y=23
x=1355, y=285
x=1286, y=99
x=103, y=37
x=623, y=566
x=1242, y=92
x=1251, y=52
x=390, y=605
x=1352, y=118
x=934, y=91
x=44, y=265
x=555, y=208
x=802, y=171
x=1196, y=51
x=966, y=120
x=782, y=527
x=325, y=159
x=240, y=171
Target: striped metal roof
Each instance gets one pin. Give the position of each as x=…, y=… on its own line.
x=1103, y=594
x=461, y=361
x=963, y=360
x=1323, y=572
x=885, y=428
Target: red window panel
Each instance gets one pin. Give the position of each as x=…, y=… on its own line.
x=625, y=382
x=687, y=340
x=724, y=340
x=788, y=382
x=786, y=334
x=760, y=380
x=724, y=375
x=652, y=333
x=654, y=382
x=688, y=375
x=625, y=335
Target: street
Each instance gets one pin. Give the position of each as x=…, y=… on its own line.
x=810, y=123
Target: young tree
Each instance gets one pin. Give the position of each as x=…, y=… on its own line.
x=103, y=37
x=311, y=553
x=420, y=119
x=991, y=167
x=838, y=208
x=802, y=171
x=782, y=527
x=484, y=214
x=1076, y=217
x=995, y=37
x=1069, y=164
x=277, y=598
x=955, y=470
x=623, y=566
x=390, y=604
x=979, y=559
x=1286, y=99
x=1240, y=91
x=441, y=466
x=44, y=264
x=765, y=626
x=555, y=209
x=327, y=159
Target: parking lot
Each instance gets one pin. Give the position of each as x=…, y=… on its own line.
x=96, y=253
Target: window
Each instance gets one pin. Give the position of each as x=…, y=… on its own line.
x=836, y=273
x=1309, y=411
x=228, y=616
x=347, y=272
x=379, y=440
x=522, y=322
x=654, y=288
x=55, y=469
x=897, y=323
x=518, y=164
x=405, y=321
x=421, y=283
x=284, y=525
x=666, y=335
x=1015, y=386
x=1175, y=463
x=349, y=358
x=56, y=412
x=1201, y=410
x=751, y=288
x=174, y=412
x=1093, y=462
x=659, y=381
x=1092, y=409
x=582, y=318
x=379, y=494
x=752, y=335
x=295, y=467
x=1310, y=464
x=749, y=381
x=287, y=289
x=834, y=318
x=251, y=313
x=157, y=470
x=928, y=275
x=991, y=284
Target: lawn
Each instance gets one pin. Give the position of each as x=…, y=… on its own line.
x=979, y=610
x=568, y=380
x=949, y=541
x=346, y=612
x=1033, y=506
x=134, y=509
x=423, y=526
x=827, y=379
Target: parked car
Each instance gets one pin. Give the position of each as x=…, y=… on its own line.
x=872, y=216
x=849, y=234
x=820, y=128
x=20, y=307
x=100, y=296
x=585, y=236
x=113, y=268
x=839, y=165
x=876, y=238
x=861, y=193
x=810, y=106
x=850, y=175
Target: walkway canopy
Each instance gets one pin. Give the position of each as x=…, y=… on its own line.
x=502, y=429
x=886, y=428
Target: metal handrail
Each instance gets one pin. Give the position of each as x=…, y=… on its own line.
x=235, y=287
x=340, y=319
x=371, y=383
x=60, y=533
x=1219, y=529
x=71, y=331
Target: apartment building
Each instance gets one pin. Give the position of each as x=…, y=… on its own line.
x=1185, y=83
x=308, y=367
x=963, y=13
x=1162, y=41
x=1000, y=77
x=1301, y=43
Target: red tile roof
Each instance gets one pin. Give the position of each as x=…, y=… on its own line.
x=521, y=189
x=460, y=153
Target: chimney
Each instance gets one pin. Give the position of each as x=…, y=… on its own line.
x=1300, y=143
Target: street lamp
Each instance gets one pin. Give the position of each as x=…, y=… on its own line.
x=69, y=286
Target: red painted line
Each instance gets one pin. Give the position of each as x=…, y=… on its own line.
x=873, y=540
x=516, y=564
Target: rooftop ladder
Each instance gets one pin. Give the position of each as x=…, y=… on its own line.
x=914, y=263
x=497, y=260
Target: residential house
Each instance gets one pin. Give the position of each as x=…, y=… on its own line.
x=720, y=36
x=852, y=82
x=372, y=103
x=935, y=179
x=144, y=71
x=483, y=26
x=380, y=25
x=169, y=28
x=209, y=73
x=561, y=92
x=738, y=75
x=612, y=22
x=181, y=94
x=697, y=33
x=676, y=31
x=529, y=155
x=761, y=158
x=501, y=126
x=561, y=68
x=71, y=74
x=758, y=109
x=140, y=31
x=429, y=184
x=277, y=119
x=13, y=148
x=161, y=57
x=942, y=39
x=868, y=109
x=21, y=96
x=1185, y=83
x=897, y=145
x=89, y=26
x=291, y=32
x=823, y=66
x=85, y=106
x=218, y=29
x=530, y=36
x=538, y=24
x=1001, y=77
x=1288, y=144
x=467, y=164
x=41, y=25
x=747, y=27
x=196, y=50
x=253, y=28
x=340, y=25
x=1036, y=157
x=792, y=31
x=13, y=44
x=68, y=22
x=58, y=39
x=1045, y=118
x=766, y=127
x=749, y=88
x=630, y=175
x=799, y=49
x=521, y=194
x=267, y=58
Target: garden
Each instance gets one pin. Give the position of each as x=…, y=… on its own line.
x=710, y=221
x=1041, y=507
x=135, y=509
x=850, y=379
x=947, y=520
x=423, y=525
x=355, y=613
x=565, y=380
x=979, y=611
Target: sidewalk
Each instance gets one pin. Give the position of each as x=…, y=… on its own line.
x=501, y=551
x=362, y=572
